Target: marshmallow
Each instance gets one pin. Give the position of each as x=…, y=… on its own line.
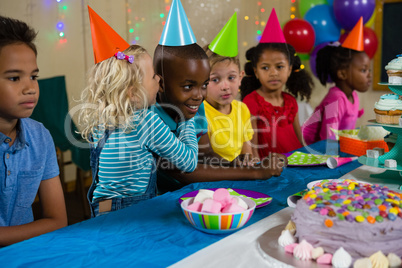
x=380, y=150
x=325, y=259
x=391, y=163
x=240, y=202
x=372, y=153
x=211, y=206
x=203, y=194
x=232, y=208
x=222, y=195
x=195, y=206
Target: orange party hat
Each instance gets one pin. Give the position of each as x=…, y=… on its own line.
x=272, y=31
x=355, y=39
x=105, y=41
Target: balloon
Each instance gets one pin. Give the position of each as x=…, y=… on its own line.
x=348, y=12
x=303, y=56
x=370, y=41
x=370, y=22
x=300, y=34
x=305, y=5
x=313, y=57
x=324, y=23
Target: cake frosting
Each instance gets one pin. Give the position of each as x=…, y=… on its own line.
x=360, y=218
x=388, y=102
x=395, y=64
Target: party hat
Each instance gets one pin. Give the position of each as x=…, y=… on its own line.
x=334, y=162
x=177, y=31
x=355, y=39
x=225, y=43
x=273, y=32
x=105, y=41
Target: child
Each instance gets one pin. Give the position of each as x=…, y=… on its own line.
x=273, y=65
x=27, y=153
x=126, y=135
x=230, y=130
x=185, y=70
x=349, y=67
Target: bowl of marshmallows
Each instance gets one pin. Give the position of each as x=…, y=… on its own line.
x=217, y=211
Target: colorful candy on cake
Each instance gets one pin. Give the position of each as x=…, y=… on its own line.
x=388, y=109
x=345, y=222
x=394, y=70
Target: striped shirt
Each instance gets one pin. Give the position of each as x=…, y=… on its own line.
x=125, y=162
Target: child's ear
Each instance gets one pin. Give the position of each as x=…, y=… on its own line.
x=255, y=72
x=241, y=77
x=131, y=95
x=342, y=74
x=161, y=84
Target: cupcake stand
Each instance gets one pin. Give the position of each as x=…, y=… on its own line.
x=394, y=153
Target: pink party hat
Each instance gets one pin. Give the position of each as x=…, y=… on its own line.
x=273, y=32
x=334, y=162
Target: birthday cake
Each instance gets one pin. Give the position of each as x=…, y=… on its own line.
x=388, y=109
x=341, y=222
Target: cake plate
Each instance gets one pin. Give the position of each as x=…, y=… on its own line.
x=394, y=153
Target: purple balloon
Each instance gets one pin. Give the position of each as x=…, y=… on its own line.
x=348, y=12
x=313, y=57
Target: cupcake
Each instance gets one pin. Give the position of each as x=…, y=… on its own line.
x=388, y=109
x=394, y=71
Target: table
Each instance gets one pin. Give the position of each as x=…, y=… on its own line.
x=155, y=233
x=243, y=245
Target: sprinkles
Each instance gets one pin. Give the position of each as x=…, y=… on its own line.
x=369, y=203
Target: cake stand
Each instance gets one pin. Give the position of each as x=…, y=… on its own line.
x=394, y=153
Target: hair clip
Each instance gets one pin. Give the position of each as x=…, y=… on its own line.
x=121, y=56
x=334, y=44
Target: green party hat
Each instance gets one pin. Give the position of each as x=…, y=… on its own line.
x=225, y=43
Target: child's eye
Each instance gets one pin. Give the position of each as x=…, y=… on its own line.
x=34, y=77
x=280, y=67
x=215, y=80
x=232, y=78
x=187, y=87
x=265, y=68
x=204, y=86
x=14, y=78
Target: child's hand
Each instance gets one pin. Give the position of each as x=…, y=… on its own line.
x=273, y=165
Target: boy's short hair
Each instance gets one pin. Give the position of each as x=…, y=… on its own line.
x=215, y=58
x=14, y=31
x=190, y=52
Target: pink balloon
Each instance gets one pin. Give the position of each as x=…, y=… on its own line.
x=300, y=34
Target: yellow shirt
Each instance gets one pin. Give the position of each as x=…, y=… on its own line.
x=228, y=132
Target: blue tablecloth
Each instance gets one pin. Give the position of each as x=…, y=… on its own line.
x=155, y=233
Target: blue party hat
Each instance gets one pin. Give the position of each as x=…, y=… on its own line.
x=177, y=31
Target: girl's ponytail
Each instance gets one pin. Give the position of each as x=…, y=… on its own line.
x=249, y=83
x=299, y=81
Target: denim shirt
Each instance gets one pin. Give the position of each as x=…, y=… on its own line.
x=31, y=159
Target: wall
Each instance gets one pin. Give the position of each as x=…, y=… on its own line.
x=207, y=17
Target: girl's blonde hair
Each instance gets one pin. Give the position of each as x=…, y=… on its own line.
x=106, y=100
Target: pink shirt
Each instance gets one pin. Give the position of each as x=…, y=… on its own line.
x=335, y=111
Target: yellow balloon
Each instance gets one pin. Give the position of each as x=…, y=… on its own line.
x=370, y=22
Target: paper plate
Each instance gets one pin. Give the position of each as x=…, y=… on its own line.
x=260, y=199
x=303, y=159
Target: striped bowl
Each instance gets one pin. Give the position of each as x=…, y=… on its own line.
x=218, y=223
